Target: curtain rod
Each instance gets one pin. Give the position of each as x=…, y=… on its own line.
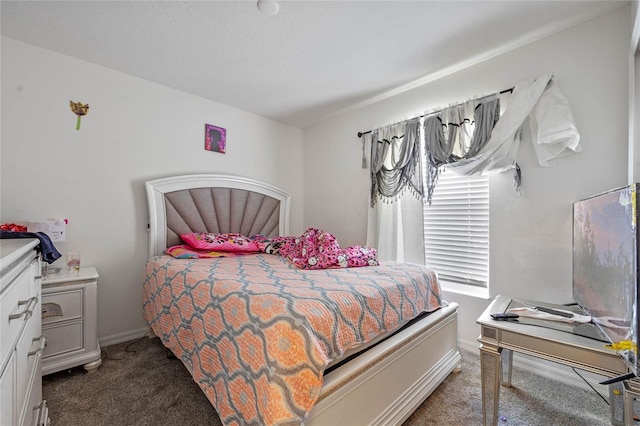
x=502, y=92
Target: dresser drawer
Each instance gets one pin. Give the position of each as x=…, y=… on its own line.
x=62, y=306
x=16, y=308
x=8, y=386
x=28, y=352
x=63, y=338
x=33, y=395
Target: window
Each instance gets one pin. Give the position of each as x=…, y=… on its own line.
x=456, y=233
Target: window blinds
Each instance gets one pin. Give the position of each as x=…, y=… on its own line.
x=456, y=229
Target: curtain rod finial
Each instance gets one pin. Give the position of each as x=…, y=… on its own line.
x=360, y=134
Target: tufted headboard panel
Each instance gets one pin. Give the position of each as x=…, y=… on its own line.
x=213, y=203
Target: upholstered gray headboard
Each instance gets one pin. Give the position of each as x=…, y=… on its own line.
x=213, y=203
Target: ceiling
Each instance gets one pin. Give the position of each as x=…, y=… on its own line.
x=308, y=62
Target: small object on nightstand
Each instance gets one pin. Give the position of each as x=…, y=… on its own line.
x=504, y=316
x=69, y=320
x=73, y=262
x=554, y=312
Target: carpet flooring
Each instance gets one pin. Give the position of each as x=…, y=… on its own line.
x=138, y=384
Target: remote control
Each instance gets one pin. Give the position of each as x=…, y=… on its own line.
x=504, y=316
x=554, y=312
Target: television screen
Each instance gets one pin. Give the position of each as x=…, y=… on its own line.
x=605, y=266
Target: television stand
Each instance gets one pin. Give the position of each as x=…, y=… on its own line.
x=499, y=339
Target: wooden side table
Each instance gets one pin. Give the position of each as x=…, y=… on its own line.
x=69, y=320
x=499, y=339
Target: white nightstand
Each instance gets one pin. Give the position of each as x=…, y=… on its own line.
x=69, y=320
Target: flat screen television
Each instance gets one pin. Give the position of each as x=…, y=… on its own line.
x=605, y=266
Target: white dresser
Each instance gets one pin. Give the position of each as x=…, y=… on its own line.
x=21, y=341
x=69, y=320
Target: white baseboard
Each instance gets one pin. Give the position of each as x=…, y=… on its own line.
x=549, y=369
x=126, y=336
x=469, y=346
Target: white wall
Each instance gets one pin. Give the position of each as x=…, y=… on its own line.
x=135, y=131
x=530, y=245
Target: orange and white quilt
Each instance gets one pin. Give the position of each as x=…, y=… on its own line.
x=257, y=332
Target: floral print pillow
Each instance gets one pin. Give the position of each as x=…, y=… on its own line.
x=220, y=242
x=317, y=249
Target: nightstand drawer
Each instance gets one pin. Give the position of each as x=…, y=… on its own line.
x=63, y=338
x=62, y=306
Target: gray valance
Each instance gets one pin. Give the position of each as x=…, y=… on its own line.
x=395, y=161
x=471, y=138
x=450, y=134
x=458, y=132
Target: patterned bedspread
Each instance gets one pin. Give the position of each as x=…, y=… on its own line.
x=257, y=332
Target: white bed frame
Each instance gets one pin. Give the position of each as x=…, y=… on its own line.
x=382, y=386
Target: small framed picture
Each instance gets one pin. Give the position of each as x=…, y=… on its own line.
x=215, y=138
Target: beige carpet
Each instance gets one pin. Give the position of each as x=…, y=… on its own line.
x=139, y=385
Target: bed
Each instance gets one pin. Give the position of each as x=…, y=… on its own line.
x=379, y=372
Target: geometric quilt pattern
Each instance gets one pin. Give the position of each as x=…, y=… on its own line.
x=257, y=333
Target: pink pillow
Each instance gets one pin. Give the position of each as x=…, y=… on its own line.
x=184, y=251
x=220, y=242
